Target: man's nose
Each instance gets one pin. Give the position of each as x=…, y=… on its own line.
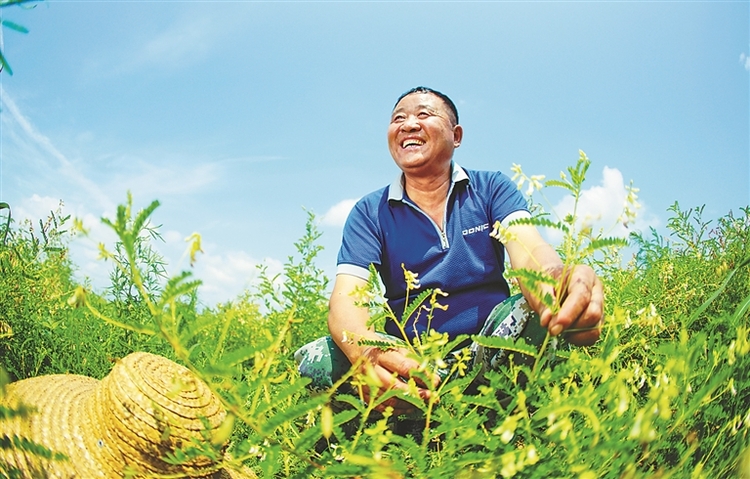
x=411, y=123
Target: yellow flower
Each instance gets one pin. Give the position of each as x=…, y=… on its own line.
x=412, y=282
x=535, y=184
x=78, y=298
x=502, y=234
x=433, y=299
x=195, y=246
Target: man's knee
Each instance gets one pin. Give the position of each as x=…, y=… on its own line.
x=322, y=362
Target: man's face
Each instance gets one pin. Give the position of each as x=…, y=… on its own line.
x=421, y=135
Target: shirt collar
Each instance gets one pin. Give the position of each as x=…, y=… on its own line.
x=396, y=189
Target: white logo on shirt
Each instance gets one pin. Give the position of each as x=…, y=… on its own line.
x=475, y=229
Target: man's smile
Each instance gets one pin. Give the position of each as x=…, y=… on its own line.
x=411, y=142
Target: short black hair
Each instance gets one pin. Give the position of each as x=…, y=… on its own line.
x=423, y=89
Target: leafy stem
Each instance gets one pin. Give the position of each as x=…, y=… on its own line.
x=579, y=241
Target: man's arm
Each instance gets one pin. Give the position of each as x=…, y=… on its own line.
x=347, y=323
x=583, y=300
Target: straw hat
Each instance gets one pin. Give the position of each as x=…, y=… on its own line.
x=147, y=408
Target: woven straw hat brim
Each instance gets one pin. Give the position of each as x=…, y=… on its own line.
x=56, y=424
x=159, y=394
x=146, y=408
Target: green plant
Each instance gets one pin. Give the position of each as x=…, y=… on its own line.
x=300, y=289
x=35, y=275
x=13, y=26
x=580, y=242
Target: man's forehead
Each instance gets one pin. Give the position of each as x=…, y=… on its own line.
x=421, y=100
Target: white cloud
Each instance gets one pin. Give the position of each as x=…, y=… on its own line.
x=172, y=237
x=745, y=61
x=35, y=208
x=225, y=276
x=188, y=40
x=84, y=250
x=149, y=180
x=337, y=214
x=601, y=206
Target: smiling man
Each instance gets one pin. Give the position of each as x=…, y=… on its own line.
x=435, y=220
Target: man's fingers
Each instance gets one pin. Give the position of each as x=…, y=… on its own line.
x=584, y=338
x=546, y=315
x=583, y=305
x=392, y=369
x=586, y=330
x=387, y=381
x=396, y=361
x=399, y=406
x=594, y=308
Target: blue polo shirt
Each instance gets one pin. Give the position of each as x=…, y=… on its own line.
x=387, y=229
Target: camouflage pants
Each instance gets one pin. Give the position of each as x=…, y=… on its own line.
x=324, y=363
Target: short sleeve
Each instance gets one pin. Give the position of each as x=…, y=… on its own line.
x=505, y=198
x=361, y=243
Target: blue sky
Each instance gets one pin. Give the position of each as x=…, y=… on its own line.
x=240, y=116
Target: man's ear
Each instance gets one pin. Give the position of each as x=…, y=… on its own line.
x=458, y=135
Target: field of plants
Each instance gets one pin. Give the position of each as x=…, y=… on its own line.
x=664, y=393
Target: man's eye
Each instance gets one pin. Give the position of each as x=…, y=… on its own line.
x=398, y=118
x=423, y=114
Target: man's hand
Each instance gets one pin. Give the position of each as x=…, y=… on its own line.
x=580, y=315
x=392, y=369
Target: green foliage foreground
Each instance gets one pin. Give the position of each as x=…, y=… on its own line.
x=665, y=392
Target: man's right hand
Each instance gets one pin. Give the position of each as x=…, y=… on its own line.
x=391, y=370
x=347, y=323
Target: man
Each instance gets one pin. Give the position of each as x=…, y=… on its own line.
x=435, y=220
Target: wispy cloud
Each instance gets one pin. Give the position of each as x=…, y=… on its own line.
x=337, y=214
x=190, y=39
x=46, y=168
x=253, y=159
x=745, y=61
x=148, y=179
x=182, y=44
x=32, y=139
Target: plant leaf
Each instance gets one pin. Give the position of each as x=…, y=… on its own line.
x=15, y=26
x=541, y=222
x=599, y=243
x=414, y=305
x=4, y=65
x=560, y=184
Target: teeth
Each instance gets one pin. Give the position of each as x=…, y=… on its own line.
x=412, y=142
